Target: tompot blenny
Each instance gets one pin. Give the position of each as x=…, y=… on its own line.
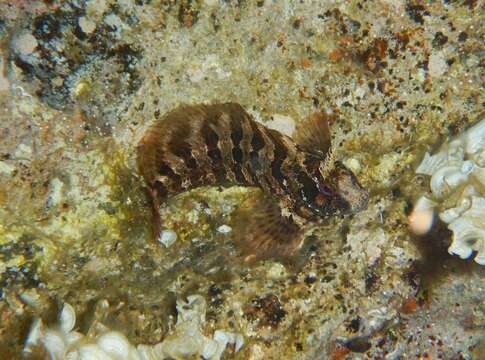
x=222, y=145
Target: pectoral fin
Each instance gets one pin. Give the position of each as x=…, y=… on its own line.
x=262, y=232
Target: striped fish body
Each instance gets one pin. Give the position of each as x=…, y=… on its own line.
x=221, y=144
x=218, y=144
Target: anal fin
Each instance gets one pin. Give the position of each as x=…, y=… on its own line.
x=262, y=232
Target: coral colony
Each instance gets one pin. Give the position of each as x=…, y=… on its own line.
x=457, y=187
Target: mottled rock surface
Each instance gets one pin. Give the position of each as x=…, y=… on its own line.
x=81, y=80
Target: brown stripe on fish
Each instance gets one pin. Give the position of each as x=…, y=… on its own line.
x=246, y=149
x=203, y=173
x=179, y=146
x=280, y=154
x=255, y=165
x=236, y=121
x=286, y=167
x=266, y=156
x=169, y=178
x=180, y=179
x=211, y=140
x=224, y=130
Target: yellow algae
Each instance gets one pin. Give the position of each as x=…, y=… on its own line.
x=16, y=261
x=81, y=88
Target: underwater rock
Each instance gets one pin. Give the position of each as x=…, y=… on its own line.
x=367, y=238
x=25, y=44
x=457, y=187
x=68, y=58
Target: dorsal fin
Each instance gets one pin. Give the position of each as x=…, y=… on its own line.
x=313, y=134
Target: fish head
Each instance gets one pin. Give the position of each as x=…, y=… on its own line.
x=337, y=191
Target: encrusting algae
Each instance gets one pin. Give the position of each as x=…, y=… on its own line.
x=75, y=222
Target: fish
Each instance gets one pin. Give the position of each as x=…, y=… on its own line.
x=222, y=145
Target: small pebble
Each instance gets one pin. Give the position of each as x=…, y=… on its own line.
x=437, y=65
x=23, y=152
x=167, y=237
x=6, y=168
x=277, y=271
x=86, y=25
x=25, y=44
x=224, y=229
x=55, y=194
x=353, y=164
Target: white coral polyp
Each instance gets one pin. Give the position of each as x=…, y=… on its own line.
x=447, y=179
x=479, y=158
x=475, y=138
x=478, y=176
x=430, y=163
x=449, y=215
x=469, y=232
x=186, y=341
x=456, y=151
x=458, y=186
